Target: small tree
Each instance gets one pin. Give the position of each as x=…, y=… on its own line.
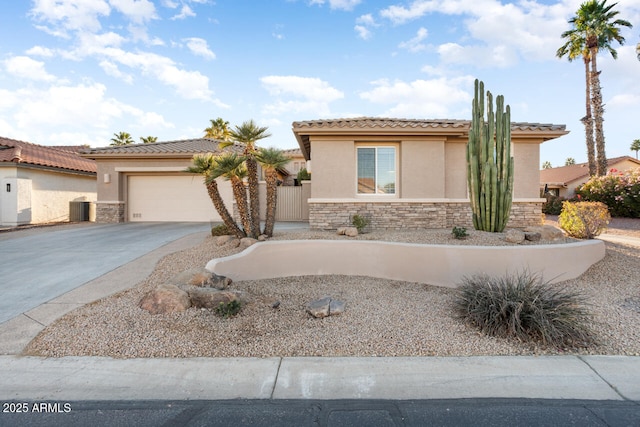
x=121, y=138
x=547, y=165
x=635, y=146
x=570, y=161
x=271, y=159
x=148, y=139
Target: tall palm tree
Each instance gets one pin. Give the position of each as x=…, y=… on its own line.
x=148, y=139
x=271, y=159
x=247, y=135
x=570, y=161
x=635, y=146
x=219, y=130
x=203, y=164
x=122, y=138
x=232, y=167
x=576, y=47
x=596, y=21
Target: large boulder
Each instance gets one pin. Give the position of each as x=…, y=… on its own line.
x=210, y=298
x=514, y=236
x=351, y=232
x=201, y=277
x=245, y=242
x=165, y=299
x=547, y=232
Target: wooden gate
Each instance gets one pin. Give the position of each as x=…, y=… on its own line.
x=290, y=204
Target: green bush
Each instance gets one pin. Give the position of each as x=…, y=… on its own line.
x=584, y=220
x=553, y=205
x=303, y=175
x=360, y=222
x=525, y=308
x=220, y=230
x=459, y=232
x=229, y=309
x=620, y=191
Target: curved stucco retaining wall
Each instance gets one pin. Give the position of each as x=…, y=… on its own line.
x=442, y=265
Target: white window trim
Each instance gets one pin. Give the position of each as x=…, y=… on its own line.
x=396, y=193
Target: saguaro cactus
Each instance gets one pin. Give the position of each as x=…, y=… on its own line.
x=489, y=162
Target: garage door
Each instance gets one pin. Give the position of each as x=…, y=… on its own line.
x=173, y=198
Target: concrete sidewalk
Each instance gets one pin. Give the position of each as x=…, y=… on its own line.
x=611, y=378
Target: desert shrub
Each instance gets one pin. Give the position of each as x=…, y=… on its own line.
x=584, y=220
x=229, y=309
x=524, y=307
x=620, y=191
x=459, y=232
x=553, y=205
x=360, y=222
x=220, y=230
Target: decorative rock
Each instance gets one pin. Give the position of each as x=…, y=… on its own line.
x=210, y=298
x=351, y=232
x=324, y=307
x=201, y=277
x=547, y=232
x=262, y=238
x=165, y=299
x=223, y=240
x=532, y=237
x=245, y=242
x=341, y=231
x=234, y=243
x=276, y=304
x=514, y=236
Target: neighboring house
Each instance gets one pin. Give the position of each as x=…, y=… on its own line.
x=563, y=181
x=39, y=182
x=297, y=163
x=409, y=174
x=147, y=182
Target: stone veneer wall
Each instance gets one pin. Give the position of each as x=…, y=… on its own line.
x=399, y=215
x=109, y=212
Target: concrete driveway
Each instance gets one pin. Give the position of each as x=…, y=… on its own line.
x=40, y=264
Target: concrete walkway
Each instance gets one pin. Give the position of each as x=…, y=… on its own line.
x=607, y=378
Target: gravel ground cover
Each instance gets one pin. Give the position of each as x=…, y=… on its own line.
x=382, y=317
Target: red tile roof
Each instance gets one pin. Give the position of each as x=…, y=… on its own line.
x=20, y=152
x=567, y=174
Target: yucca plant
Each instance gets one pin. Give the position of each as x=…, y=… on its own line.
x=524, y=307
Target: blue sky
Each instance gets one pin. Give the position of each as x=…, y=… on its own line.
x=77, y=71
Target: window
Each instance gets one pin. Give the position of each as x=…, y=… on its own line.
x=376, y=170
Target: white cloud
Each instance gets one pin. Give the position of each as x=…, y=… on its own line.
x=27, y=68
x=138, y=11
x=499, y=56
x=309, y=94
x=40, y=51
x=363, y=32
x=415, y=44
x=185, y=12
x=66, y=15
x=366, y=20
x=436, y=98
x=112, y=70
x=199, y=47
x=338, y=4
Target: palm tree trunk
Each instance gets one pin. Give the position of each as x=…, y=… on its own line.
x=588, y=122
x=598, y=112
x=254, y=199
x=272, y=200
x=240, y=194
x=218, y=203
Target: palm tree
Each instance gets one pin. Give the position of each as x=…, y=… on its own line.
x=547, y=165
x=148, y=139
x=232, y=167
x=570, y=161
x=576, y=47
x=247, y=135
x=122, y=138
x=271, y=159
x=635, y=146
x=219, y=130
x=595, y=22
x=203, y=164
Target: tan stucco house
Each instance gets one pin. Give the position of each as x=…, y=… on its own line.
x=563, y=181
x=409, y=174
x=39, y=182
x=147, y=182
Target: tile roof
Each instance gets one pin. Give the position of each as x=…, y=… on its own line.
x=381, y=123
x=20, y=152
x=567, y=174
x=180, y=147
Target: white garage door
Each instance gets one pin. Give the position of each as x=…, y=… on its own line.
x=173, y=198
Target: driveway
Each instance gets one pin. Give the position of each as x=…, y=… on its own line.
x=38, y=265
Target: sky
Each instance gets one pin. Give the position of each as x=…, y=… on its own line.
x=77, y=71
